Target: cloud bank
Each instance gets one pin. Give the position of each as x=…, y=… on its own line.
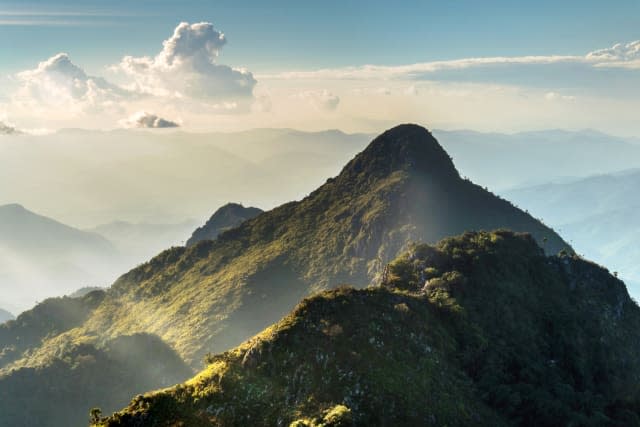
x=619, y=55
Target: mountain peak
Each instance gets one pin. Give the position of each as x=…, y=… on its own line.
x=404, y=147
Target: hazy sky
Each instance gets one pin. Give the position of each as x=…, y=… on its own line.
x=357, y=66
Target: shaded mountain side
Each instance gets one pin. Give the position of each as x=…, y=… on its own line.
x=83, y=376
x=482, y=329
x=225, y=218
x=213, y=295
x=48, y=319
x=5, y=316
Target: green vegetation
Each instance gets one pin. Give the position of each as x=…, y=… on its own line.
x=213, y=295
x=50, y=318
x=62, y=391
x=481, y=329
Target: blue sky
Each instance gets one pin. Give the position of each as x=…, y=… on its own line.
x=280, y=34
x=540, y=54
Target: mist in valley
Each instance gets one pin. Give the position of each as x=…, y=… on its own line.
x=123, y=196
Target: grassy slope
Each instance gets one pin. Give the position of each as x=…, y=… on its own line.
x=215, y=294
x=83, y=375
x=482, y=329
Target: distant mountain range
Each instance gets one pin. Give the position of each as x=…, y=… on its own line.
x=502, y=161
x=598, y=214
x=214, y=294
x=40, y=257
x=187, y=175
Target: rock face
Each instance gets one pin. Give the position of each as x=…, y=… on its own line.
x=501, y=335
x=227, y=217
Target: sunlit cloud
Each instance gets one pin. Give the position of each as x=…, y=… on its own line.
x=57, y=82
x=187, y=67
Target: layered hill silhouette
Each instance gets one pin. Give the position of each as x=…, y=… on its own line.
x=227, y=217
x=213, y=295
x=599, y=214
x=42, y=257
x=481, y=329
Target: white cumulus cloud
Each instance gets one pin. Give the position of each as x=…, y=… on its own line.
x=618, y=52
x=58, y=82
x=187, y=67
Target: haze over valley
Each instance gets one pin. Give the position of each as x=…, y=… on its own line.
x=319, y=214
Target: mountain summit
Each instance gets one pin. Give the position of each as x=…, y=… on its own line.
x=406, y=147
x=402, y=188
x=211, y=296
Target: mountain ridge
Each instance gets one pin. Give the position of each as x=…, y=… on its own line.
x=213, y=295
x=479, y=329
x=344, y=231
